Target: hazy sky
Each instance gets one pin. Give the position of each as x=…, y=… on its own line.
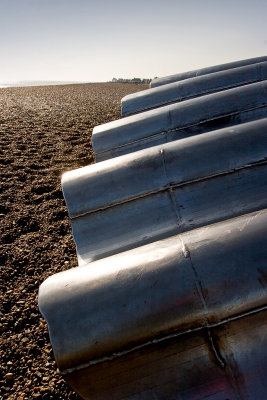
x=96, y=40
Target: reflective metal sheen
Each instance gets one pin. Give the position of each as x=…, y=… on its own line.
x=204, y=71
x=191, y=282
x=169, y=301
x=192, y=87
x=166, y=189
x=180, y=120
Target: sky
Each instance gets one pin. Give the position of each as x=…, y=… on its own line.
x=96, y=40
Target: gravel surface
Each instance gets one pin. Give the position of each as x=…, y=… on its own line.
x=44, y=131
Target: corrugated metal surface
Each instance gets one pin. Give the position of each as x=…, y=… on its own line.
x=166, y=189
x=180, y=120
x=164, y=287
x=169, y=301
x=218, y=363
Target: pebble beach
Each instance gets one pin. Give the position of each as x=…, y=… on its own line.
x=44, y=132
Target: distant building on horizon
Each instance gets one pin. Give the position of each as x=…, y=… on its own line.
x=133, y=80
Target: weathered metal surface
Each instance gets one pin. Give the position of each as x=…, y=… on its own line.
x=192, y=282
x=179, y=120
x=204, y=71
x=192, y=87
x=166, y=189
x=170, y=300
x=186, y=367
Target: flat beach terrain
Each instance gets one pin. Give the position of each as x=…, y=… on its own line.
x=44, y=131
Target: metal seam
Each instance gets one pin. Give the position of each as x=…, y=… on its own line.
x=187, y=254
x=180, y=129
x=164, y=164
x=162, y=339
x=169, y=186
x=170, y=191
x=215, y=349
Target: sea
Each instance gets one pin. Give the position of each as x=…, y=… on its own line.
x=36, y=83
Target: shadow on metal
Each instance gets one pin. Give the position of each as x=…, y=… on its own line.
x=180, y=120
x=167, y=189
x=169, y=300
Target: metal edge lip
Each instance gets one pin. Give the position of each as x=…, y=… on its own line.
x=208, y=325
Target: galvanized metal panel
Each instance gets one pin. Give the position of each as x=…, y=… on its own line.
x=160, y=215
x=122, y=228
x=168, y=311
x=165, y=190
x=189, y=118
x=185, y=282
x=192, y=87
x=172, y=369
x=204, y=71
x=243, y=347
x=186, y=367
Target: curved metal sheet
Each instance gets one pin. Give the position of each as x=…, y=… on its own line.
x=165, y=190
x=204, y=71
x=186, y=367
x=180, y=120
x=186, y=282
x=173, y=302
x=193, y=87
x=99, y=185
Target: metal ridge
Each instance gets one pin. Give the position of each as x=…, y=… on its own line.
x=119, y=354
x=166, y=131
x=169, y=186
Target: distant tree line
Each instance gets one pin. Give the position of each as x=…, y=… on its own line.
x=134, y=80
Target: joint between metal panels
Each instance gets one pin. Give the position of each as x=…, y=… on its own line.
x=208, y=325
x=170, y=186
x=170, y=190
x=213, y=345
